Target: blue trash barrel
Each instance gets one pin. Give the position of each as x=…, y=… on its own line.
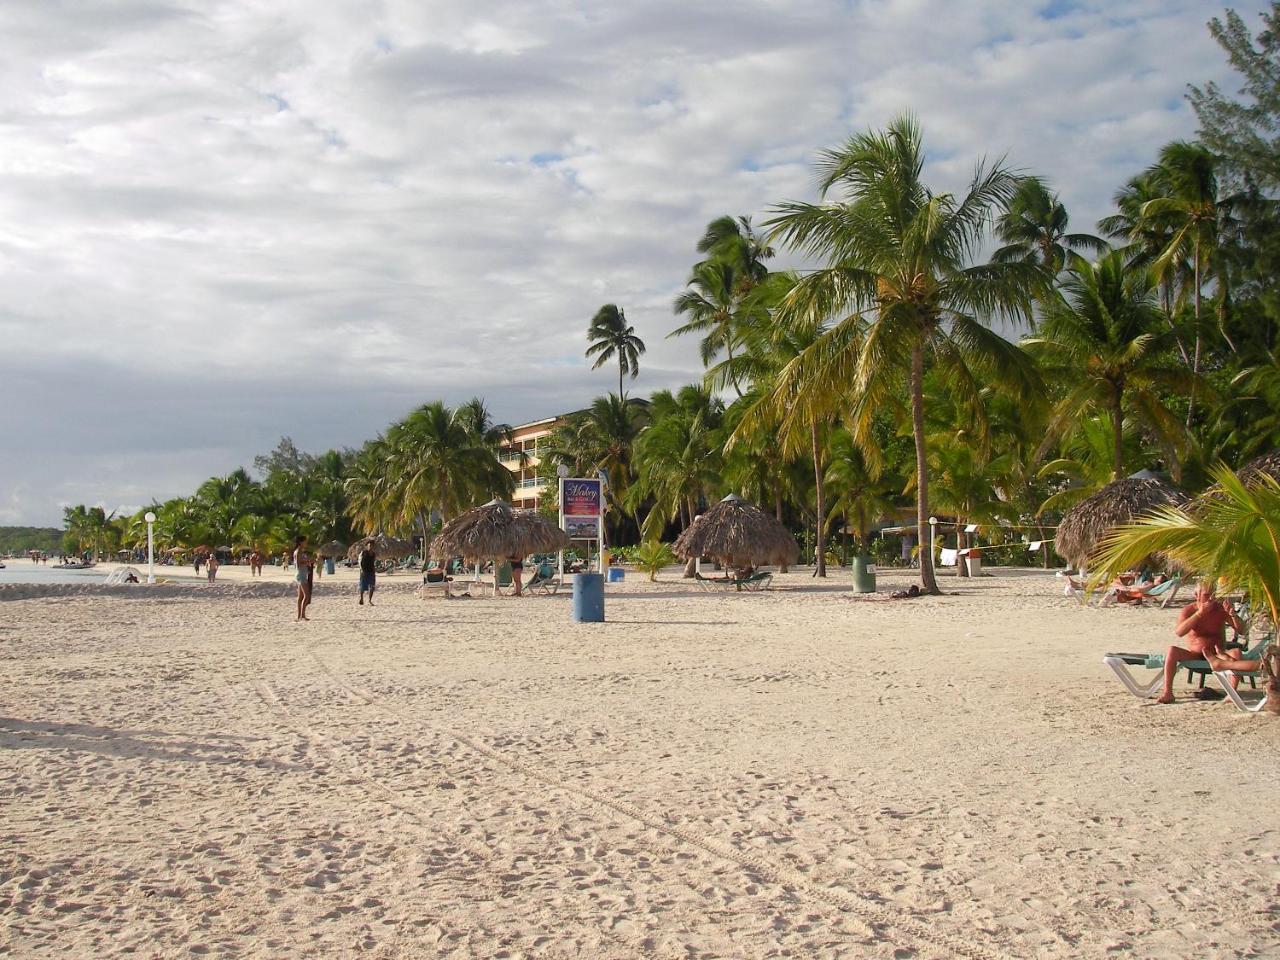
x=328, y=565
x=588, y=598
x=617, y=574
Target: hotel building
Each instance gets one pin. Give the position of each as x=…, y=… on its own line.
x=521, y=456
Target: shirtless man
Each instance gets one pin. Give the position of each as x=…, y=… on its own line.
x=1202, y=625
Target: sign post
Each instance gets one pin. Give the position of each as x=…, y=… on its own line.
x=582, y=513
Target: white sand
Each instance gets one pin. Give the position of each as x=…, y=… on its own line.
x=799, y=773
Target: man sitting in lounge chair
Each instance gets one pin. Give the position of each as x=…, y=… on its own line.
x=1202, y=626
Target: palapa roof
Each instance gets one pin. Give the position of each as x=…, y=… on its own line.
x=497, y=530
x=334, y=548
x=1119, y=502
x=1267, y=464
x=392, y=548
x=737, y=533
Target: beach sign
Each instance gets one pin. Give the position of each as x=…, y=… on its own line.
x=582, y=511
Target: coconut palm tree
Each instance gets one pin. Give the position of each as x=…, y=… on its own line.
x=611, y=336
x=1145, y=240
x=435, y=462
x=711, y=306
x=678, y=457
x=860, y=493
x=1034, y=230
x=733, y=241
x=1103, y=339
x=368, y=488
x=899, y=282
x=1197, y=219
x=1087, y=461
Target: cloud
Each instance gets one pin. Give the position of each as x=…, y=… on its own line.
x=221, y=224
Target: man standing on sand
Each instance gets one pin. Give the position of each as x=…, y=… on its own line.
x=1202, y=627
x=368, y=572
x=303, y=563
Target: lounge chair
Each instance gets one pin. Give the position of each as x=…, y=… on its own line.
x=759, y=580
x=1073, y=587
x=543, y=578
x=1164, y=592
x=1147, y=689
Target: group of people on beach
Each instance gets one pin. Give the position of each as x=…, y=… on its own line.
x=304, y=563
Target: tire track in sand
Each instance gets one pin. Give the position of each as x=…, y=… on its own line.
x=427, y=826
x=867, y=910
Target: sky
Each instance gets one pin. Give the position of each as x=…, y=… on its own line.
x=228, y=221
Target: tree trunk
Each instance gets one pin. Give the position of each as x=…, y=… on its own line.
x=927, y=578
x=691, y=565
x=1166, y=299
x=1117, y=432
x=962, y=541
x=1195, y=362
x=820, y=525
x=777, y=512
x=733, y=377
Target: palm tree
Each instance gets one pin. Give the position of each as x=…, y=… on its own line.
x=770, y=349
x=435, y=462
x=860, y=493
x=602, y=437
x=610, y=336
x=1034, y=230
x=1196, y=217
x=678, y=457
x=1103, y=339
x=1087, y=460
x=898, y=281
x=1146, y=241
x=368, y=489
x=711, y=306
x=734, y=242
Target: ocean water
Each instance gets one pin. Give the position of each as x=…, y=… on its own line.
x=24, y=571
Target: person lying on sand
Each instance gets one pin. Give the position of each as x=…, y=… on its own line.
x=1202, y=626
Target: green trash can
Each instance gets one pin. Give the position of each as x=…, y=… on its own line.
x=502, y=575
x=864, y=575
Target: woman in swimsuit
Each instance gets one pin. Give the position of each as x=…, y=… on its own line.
x=303, y=563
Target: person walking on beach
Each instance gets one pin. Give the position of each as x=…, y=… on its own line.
x=211, y=567
x=304, y=564
x=368, y=572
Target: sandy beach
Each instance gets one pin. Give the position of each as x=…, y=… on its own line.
x=799, y=773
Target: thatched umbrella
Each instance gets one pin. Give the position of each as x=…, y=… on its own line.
x=334, y=548
x=1266, y=465
x=389, y=548
x=1121, y=501
x=497, y=531
x=737, y=533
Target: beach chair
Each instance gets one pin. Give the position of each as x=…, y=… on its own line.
x=1148, y=688
x=543, y=578
x=1072, y=587
x=1164, y=592
x=759, y=580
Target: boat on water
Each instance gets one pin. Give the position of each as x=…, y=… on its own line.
x=73, y=566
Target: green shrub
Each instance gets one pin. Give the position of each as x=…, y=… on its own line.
x=651, y=557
